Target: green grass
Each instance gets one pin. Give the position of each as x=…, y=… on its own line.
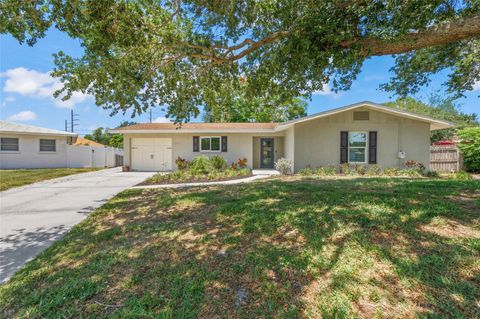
x=282, y=248
x=19, y=177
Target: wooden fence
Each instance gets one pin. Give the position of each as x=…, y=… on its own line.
x=445, y=159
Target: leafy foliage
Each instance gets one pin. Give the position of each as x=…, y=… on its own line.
x=181, y=163
x=242, y=106
x=284, y=166
x=190, y=175
x=218, y=162
x=202, y=168
x=470, y=147
x=439, y=108
x=101, y=135
x=201, y=164
x=187, y=54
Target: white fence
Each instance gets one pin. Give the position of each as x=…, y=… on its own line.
x=90, y=156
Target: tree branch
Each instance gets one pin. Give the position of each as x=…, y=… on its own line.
x=444, y=33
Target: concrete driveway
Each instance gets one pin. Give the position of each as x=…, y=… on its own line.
x=32, y=217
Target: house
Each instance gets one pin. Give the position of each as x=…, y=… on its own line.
x=28, y=146
x=82, y=141
x=361, y=133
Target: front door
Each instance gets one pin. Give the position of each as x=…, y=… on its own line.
x=266, y=153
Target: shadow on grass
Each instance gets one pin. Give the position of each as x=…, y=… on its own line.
x=335, y=248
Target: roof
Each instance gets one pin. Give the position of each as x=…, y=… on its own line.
x=86, y=141
x=272, y=127
x=196, y=127
x=17, y=128
x=434, y=123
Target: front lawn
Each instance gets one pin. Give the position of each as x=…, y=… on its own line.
x=19, y=177
x=283, y=248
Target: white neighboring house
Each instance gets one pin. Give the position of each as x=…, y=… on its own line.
x=28, y=146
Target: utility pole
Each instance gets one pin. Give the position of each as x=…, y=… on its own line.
x=73, y=120
x=150, y=115
x=66, y=126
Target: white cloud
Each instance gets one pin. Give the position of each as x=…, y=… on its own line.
x=326, y=90
x=7, y=100
x=161, y=119
x=23, y=116
x=38, y=85
x=77, y=97
x=476, y=86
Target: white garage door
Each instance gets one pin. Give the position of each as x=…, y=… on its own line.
x=151, y=154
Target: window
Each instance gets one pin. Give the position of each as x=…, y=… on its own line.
x=210, y=144
x=357, y=145
x=47, y=145
x=9, y=144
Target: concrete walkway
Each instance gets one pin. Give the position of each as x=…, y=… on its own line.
x=229, y=182
x=32, y=217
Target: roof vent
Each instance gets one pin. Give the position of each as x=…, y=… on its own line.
x=361, y=116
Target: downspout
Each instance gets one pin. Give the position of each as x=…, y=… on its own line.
x=399, y=141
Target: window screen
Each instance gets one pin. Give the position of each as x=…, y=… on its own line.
x=9, y=144
x=47, y=145
x=210, y=144
x=357, y=144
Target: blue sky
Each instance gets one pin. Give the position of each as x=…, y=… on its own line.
x=26, y=87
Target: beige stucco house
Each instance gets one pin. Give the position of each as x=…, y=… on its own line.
x=361, y=133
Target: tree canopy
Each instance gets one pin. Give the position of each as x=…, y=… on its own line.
x=101, y=135
x=140, y=54
x=239, y=105
x=439, y=108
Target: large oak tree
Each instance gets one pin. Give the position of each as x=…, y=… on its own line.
x=139, y=54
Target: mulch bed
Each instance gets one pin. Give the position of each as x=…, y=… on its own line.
x=193, y=180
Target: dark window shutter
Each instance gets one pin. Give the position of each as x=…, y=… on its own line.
x=343, y=147
x=224, y=144
x=196, y=143
x=372, y=147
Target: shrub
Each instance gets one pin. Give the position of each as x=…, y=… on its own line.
x=242, y=163
x=360, y=169
x=181, y=163
x=391, y=171
x=234, y=166
x=327, y=170
x=431, y=174
x=470, y=147
x=218, y=162
x=374, y=170
x=244, y=172
x=284, y=166
x=411, y=164
x=306, y=171
x=463, y=176
x=201, y=164
x=345, y=168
